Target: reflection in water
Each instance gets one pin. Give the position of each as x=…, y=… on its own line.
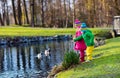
x=5, y=63
x=20, y=61
x=14, y=58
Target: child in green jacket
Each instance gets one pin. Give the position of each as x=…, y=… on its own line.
x=89, y=40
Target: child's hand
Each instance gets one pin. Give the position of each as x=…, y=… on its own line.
x=74, y=37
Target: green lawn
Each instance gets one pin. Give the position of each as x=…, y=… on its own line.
x=105, y=65
x=30, y=31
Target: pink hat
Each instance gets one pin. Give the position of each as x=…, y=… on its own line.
x=77, y=21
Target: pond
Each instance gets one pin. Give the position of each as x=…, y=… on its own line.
x=21, y=61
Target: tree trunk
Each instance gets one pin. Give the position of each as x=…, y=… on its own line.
x=26, y=12
x=19, y=13
x=1, y=21
x=74, y=16
x=32, y=20
x=7, y=19
x=60, y=14
x=42, y=8
x=4, y=12
x=66, y=22
x=14, y=12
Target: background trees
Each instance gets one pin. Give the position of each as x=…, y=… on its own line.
x=58, y=13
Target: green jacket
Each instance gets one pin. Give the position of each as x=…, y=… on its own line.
x=87, y=36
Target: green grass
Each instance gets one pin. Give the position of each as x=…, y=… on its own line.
x=29, y=31
x=105, y=65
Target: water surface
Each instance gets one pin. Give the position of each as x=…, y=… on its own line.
x=21, y=61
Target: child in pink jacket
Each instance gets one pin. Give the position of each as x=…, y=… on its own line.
x=79, y=45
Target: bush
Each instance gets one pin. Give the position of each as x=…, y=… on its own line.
x=70, y=58
x=102, y=33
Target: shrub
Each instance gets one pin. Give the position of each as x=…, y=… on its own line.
x=102, y=33
x=70, y=58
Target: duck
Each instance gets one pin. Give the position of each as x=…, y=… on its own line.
x=46, y=53
x=39, y=55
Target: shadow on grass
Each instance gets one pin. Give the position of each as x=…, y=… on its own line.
x=98, y=55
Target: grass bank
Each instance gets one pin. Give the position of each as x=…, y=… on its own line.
x=105, y=65
x=29, y=31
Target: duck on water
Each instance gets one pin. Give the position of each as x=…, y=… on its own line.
x=45, y=54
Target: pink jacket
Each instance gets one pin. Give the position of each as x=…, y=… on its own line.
x=79, y=45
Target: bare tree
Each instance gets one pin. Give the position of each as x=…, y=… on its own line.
x=60, y=13
x=32, y=19
x=14, y=12
x=74, y=16
x=7, y=14
x=65, y=14
x=1, y=21
x=42, y=9
x=26, y=12
x=19, y=12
